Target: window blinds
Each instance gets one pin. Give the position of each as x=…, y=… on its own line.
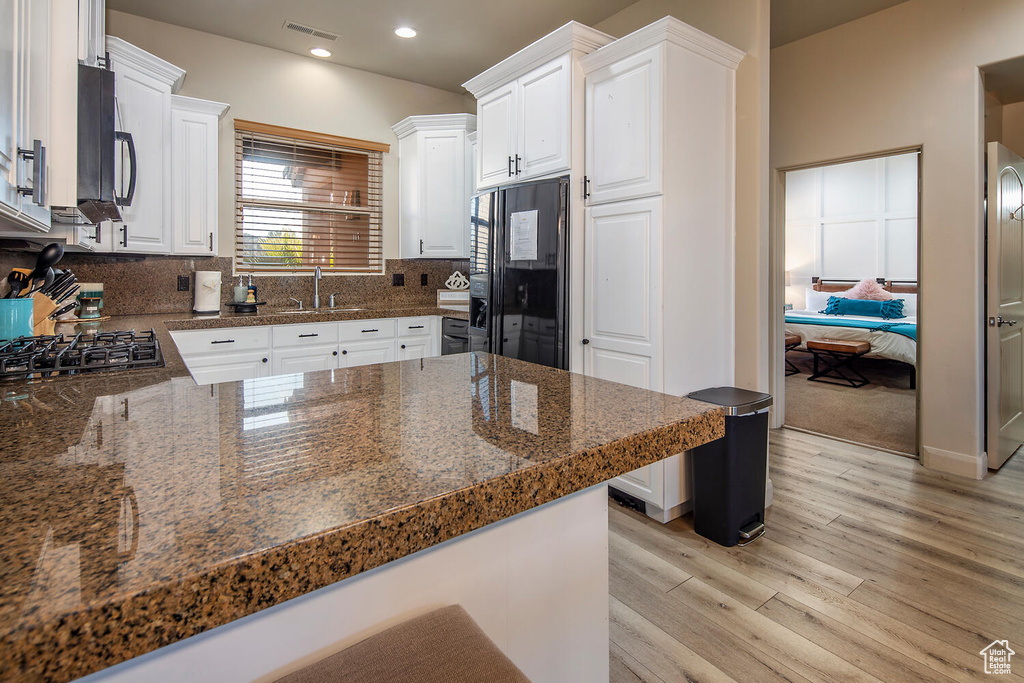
x=305, y=199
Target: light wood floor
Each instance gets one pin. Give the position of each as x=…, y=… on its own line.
x=872, y=569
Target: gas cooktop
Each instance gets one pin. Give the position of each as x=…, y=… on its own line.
x=48, y=356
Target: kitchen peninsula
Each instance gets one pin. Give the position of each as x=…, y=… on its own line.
x=251, y=525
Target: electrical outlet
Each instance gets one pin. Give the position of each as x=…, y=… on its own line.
x=183, y=283
x=398, y=279
x=423, y=279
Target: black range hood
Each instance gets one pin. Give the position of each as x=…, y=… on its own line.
x=97, y=140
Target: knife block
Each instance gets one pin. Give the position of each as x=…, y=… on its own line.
x=42, y=307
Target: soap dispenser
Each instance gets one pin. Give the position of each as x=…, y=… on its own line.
x=241, y=291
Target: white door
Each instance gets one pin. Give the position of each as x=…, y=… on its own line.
x=230, y=367
x=365, y=353
x=1005, y=338
x=33, y=114
x=622, y=311
x=624, y=128
x=193, y=181
x=417, y=347
x=143, y=108
x=444, y=227
x=8, y=135
x=496, y=137
x=544, y=121
x=305, y=359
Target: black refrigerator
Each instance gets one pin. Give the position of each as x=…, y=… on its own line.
x=519, y=272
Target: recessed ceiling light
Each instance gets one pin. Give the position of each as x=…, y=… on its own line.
x=405, y=32
x=319, y=52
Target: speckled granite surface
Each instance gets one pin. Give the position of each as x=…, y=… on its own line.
x=138, y=509
x=276, y=316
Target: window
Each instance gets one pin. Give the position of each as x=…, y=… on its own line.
x=305, y=199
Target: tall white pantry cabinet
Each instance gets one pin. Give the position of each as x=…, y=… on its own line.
x=658, y=301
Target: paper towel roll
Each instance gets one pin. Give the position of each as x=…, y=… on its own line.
x=207, y=292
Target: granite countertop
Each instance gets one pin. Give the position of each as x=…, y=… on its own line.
x=139, y=509
x=284, y=316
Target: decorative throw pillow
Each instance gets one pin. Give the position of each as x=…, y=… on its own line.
x=886, y=310
x=869, y=289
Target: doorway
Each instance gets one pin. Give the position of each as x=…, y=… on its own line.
x=851, y=234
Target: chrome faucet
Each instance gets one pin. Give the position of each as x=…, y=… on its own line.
x=317, y=275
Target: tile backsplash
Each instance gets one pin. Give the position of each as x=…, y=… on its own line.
x=148, y=284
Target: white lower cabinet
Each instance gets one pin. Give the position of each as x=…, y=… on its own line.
x=311, y=359
x=367, y=352
x=237, y=353
x=229, y=367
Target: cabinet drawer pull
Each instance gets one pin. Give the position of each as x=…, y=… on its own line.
x=510, y=166
x=264, y=360
x=344, y=353
x=518, y=159
x=371, y=330
x=415, y=327
x=335, y=353
x=312, y=334
x=223, y=341
x=403, y=346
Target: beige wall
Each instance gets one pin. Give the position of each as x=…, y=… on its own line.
x=743, y=24
x=1012, y=128
x=270, y=86
x=903, y=77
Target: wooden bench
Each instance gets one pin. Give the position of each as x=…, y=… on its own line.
x=444, y=646
x=792, y=342
x=837, y=356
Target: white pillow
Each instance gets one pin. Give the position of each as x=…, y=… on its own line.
x=909, y=304
x=817, y=301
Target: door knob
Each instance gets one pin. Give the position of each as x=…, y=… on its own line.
x=585, y=342
x=999, y=322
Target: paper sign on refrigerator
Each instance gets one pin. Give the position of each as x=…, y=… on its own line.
x=523, y=231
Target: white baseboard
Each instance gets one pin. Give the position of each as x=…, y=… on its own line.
x=951, y=462
x=769, y=494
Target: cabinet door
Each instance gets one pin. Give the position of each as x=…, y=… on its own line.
x=544, y=120
x=496, y=136
x=416, y=347
x=365, y=353
x=622, y=305
x=8, y=134
x=443, y=219
x=143, y=108
x=34, y=107
x=624, y=128
x=311, y=359
x=230, y=367
x=193, y=182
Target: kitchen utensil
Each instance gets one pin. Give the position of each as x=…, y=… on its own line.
x=18, y=279
x=70, y=293
x=62, y=310
x=58, y=282
x=42, y=283
x=47, y=258
x=56, y=293
x=15, y=318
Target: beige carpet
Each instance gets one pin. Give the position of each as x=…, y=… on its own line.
x=881, y=414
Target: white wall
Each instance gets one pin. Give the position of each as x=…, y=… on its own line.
x=743, y=24
x=270, y=86
x=1012, y=127
x=851, y=221
x=900, y=78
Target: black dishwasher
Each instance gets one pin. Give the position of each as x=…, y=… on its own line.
x=454, y=336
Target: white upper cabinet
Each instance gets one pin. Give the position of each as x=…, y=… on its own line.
x=496, y=136
x=143, y=85
x=544, y=126
x=193, y=196
x=525, y=105
x=24, y=112
x=624, y=128
x=435, y=161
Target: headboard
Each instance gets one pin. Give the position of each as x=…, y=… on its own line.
x=894, y=286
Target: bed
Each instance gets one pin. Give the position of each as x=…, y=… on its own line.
x=891, y=339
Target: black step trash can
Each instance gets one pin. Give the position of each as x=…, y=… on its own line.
x=729, y=474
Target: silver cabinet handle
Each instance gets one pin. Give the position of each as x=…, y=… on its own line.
x=314, y=334
x=223, y=341
x=37, y=155
x=371, y=330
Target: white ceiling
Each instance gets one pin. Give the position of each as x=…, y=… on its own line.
x=457, y=38
x=796, y=19
x=1006, y=80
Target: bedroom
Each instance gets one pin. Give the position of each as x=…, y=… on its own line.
x=851, y=300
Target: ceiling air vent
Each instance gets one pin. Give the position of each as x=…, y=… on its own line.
x=310, y=31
